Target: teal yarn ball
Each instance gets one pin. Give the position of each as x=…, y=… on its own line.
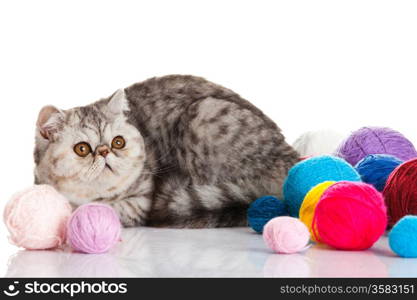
x=375, y=169
x=403, y=237
x=312, y=171
x=263, y=209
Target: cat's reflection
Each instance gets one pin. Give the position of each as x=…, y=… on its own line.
x=186, y=253
x=145, y=252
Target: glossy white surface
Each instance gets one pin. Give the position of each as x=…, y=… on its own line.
x=236, y=252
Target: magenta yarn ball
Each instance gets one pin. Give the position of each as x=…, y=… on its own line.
x=375, y=140
x=93, y=228
x=286, y=235
x=36, y=218
x=350, y=216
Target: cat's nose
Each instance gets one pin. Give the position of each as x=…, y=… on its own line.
x=103, y=150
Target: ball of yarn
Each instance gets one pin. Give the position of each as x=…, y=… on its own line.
x=264, y=209
x=286, y=235
x=375, y=140
x=36, y=218
x=400, y=192
x=93, y=228
x=310, y=201
x=319, y=142
x=310, y=172
x=350, y=216
x=375, y=169
x=403, y=237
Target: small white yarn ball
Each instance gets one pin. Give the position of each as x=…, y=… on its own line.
x=318, y=142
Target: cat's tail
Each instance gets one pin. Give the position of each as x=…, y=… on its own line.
x=180, y=205
x=228, y=216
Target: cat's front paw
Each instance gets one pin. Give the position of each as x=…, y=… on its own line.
x=127, y=218
x=126, y=222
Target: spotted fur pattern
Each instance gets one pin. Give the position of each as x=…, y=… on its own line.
x=196, y=154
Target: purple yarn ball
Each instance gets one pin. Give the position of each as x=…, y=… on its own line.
x=93, y=228
x=375, y=140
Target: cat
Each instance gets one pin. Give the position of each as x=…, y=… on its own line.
x=173, y=151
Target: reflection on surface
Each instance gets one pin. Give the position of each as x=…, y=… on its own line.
x=61, y=264
x=327, y=262
x=287, y=265
x=89, y=265
x=402, y=267
x=35, y=264
x=189, y=253
x=225, y=252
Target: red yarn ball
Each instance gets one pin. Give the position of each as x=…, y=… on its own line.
x=400, y=192
x=350, y=216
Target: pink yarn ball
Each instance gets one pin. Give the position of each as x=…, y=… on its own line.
x=350, y=216
x=286, y=235
x=36, y=218
x=93, y=228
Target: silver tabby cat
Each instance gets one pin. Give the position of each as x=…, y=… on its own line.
x=174, y=151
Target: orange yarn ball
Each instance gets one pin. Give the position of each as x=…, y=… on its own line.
x=308, y=207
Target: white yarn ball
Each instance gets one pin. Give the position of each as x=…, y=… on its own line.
x=37, y=217
x=318, y=142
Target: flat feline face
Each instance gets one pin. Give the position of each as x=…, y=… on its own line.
x=89, y=152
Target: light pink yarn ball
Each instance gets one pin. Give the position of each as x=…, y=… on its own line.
x=36, y=218
x=286, y=235
x=94, y=228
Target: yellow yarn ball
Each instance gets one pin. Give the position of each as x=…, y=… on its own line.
x=309, y=204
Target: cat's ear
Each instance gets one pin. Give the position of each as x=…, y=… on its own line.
x=50, y=119
x=118, y=102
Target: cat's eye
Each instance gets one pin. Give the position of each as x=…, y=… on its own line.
x=118, y=142
x=82, y=149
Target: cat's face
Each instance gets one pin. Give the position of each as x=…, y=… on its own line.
x=89, y=152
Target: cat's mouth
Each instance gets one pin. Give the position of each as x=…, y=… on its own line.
x=109, y=167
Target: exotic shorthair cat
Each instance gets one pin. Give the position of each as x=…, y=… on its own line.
x=174, y=151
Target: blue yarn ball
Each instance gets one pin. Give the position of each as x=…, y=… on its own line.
x=264, y=209
x=375, y=169
x=310, y=172
x=403, y=237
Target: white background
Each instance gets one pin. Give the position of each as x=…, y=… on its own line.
x=307, y=64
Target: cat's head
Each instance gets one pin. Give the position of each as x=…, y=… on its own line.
x=88, y=152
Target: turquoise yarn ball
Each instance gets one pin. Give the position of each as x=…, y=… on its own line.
x=403, y=237
x=310, y=172
x=375, y=169
x=264, y=209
